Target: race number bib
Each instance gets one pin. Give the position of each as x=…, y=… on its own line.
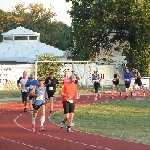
x=51, y=88
x=95, y=80
x=41, y=97
x=114, y=79
x=70, y=101
x=127, y=79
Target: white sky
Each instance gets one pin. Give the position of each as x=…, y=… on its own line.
x=60, y=7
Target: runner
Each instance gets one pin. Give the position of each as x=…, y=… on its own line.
x=96, y=80
x=127, y=78
x=65, y=78
x=116, y=83
x=69, y=93
x=29, y=85
x=24, y=93
x=51, y=83
x=77, y=77
x=138, y=82
x=38, y=93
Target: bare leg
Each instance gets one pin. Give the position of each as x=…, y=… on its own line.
x=51, y=99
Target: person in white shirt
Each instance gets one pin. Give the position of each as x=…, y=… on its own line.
x=24, y=93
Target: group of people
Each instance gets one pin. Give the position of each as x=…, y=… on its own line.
x=128, y=76
x=41, y=90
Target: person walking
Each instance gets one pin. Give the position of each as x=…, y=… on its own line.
x=38, y=92
x=24, y=93
x=127, y=78
x=51, y=83
x=77, y=77
x=29, y=86
x=65, y=77
x=96, y=81
x=116, y=83
x=69, y=93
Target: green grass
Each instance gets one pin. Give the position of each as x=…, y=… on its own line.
x=127, y=120
x=9, y=94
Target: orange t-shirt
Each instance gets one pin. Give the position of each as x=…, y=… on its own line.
x=70, y=89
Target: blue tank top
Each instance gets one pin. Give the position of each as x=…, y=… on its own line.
x=95, y=79
x=31, y=83
x=41, y=99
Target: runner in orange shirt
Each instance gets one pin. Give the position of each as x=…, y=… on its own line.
x=69, y=93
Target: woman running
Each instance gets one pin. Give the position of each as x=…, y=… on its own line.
x=65, y=78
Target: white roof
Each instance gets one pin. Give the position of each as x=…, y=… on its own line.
x=25, y=51
x=20, y=31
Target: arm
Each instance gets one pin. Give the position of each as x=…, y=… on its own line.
x=32, y=92
x=46, y=81
x=62, y=92
x=18, y=82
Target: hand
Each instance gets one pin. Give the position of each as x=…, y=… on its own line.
x=37, y=95
x=49, y=82
x=68, y=96
x=18, y=85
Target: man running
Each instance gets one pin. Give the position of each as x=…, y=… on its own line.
x=29, y=86
x=24, y=93
x=127, y=78
x=116, y=83
x=38, y=93
x=69, y=93
x=138, y=82
x=51, y=83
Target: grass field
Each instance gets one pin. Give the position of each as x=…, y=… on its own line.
x=9, y=94
x=127, y=120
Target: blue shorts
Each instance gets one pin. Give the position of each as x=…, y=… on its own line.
x=24, y=96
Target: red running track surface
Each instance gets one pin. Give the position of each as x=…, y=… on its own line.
x=16, y=134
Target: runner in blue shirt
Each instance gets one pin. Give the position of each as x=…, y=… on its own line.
x=29, y=86
x=127, y=78
x=39, y=94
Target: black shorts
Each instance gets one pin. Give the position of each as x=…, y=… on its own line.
x=68, y=107
x=36, y=107
x=50, y=94
x=127, y=85
x=116, y=82
x=138, y=83
x=31, y=97
x=24, y=96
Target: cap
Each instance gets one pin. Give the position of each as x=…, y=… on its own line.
x=51, y=73
x=72, y=71
x=72, y=77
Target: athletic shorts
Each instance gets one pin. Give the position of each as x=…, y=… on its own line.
x=127, y=85
x=50, y=94
x=116, y=82
x=36, y=107
x=31, y=97
x=68, y=107
x=138, y=83
x=24, y=96
x=96, y=86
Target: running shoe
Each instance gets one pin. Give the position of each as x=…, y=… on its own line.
x=33, y=128
x=95, y=99
x=42, y=129
x=50, y=111
x=62, y=124
x=31, y=112
x=69, y=130
x=112, y=97
x=25, y=109
x=126, y=97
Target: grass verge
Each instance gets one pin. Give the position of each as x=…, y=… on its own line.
x=126, y=120
x=9, y=94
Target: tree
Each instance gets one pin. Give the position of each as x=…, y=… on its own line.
x=93, y=21
x=37, y=18
x=45, y=67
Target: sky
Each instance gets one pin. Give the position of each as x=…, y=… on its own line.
x=60, y=7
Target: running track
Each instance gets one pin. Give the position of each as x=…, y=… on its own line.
x=15, y=131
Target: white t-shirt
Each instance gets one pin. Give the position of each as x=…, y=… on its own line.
x=23, y=83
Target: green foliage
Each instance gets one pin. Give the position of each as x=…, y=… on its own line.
x=39, y=19
x=94, y=21
x=44, y=68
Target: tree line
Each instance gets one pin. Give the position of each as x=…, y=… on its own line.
x=39, y=19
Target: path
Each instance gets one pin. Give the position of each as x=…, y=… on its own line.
x=15, y=131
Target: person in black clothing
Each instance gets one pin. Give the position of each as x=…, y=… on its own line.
x=138, y=82
x=51, y=83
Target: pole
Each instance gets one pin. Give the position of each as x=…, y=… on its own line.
x=36, y=70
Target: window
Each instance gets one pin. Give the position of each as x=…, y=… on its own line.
x=32, y=37
x=8, y=38
x=21, y=38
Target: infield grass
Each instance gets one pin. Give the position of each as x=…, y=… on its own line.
x=126, y=119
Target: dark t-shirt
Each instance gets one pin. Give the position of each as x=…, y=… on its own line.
x=51, y=87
